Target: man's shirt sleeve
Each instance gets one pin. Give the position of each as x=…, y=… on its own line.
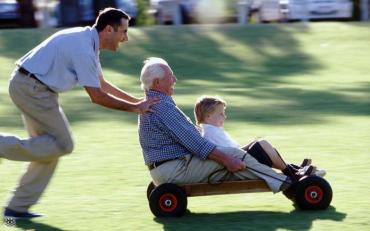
x=87, y=70
x=180, y=127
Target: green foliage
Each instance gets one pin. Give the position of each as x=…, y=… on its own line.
x=144, y=17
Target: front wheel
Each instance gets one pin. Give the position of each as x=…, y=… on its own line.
x=313, y=193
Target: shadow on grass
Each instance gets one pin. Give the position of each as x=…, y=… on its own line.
x=304, y=107
x=33, y=225
x=250, y=220
x=208, y=52
x=199, y=52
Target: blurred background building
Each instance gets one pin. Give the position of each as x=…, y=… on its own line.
x=66, y=13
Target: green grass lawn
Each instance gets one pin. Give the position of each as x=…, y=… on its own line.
x=304, y=87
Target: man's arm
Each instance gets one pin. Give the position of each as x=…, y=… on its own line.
x=232, y=164
x=104, y=99
x=115, y=91
x=184, y=131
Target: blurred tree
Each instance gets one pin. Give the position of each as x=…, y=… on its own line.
x=356, y=9
x=144, y=18
x=69, y=12
x=99, y=5
x=27, y=11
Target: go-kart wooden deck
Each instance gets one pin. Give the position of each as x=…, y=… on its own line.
x=226, y=187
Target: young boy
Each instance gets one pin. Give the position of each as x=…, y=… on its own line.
x=210, y=116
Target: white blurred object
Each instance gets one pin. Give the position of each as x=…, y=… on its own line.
x=320, y=172
x=269, y=10
x=243, y=7
x=210, y=11
x=318, y=9
x=44, y=14
x=364, y=5
x=169, y=10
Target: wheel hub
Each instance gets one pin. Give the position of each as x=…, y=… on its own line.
x=314, y=194
x=168, y=203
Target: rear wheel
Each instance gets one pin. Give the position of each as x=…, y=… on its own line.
x=168, y=200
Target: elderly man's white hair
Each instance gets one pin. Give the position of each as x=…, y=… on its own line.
x=152, y=69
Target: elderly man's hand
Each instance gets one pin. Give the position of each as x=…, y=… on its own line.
x=234, y=164
x=145, y=105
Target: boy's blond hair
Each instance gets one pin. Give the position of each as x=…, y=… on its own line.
x=206, y=105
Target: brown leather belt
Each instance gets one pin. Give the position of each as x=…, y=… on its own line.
x=157, y=164
x=29, y=74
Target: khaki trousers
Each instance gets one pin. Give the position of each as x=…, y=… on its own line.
x=50, y=138
x=194, y=170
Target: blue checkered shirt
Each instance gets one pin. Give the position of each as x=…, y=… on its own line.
x=167, y=133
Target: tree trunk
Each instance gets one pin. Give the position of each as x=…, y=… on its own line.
x=100, y=5
x=27, y=13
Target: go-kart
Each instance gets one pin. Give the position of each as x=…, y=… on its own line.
x=170, y=200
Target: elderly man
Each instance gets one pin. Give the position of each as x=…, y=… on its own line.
x=173, y=148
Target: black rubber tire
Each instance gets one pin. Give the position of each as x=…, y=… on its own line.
x=168, y=200
x=313, y=193
x=150, y=188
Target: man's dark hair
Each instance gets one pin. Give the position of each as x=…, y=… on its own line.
x=110, y=16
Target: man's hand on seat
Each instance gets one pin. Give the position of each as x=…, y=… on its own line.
x=232, y=164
